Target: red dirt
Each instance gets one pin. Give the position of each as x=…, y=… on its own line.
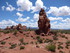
x=28, y=38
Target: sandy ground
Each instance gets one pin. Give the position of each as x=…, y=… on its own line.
x=29, y=36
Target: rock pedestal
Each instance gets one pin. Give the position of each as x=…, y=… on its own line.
x=43, y=22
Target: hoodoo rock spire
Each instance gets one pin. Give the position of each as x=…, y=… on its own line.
x=43, y=22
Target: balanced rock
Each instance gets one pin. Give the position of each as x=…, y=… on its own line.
x=43, y=22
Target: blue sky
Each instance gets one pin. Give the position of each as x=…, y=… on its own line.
x=13, y=12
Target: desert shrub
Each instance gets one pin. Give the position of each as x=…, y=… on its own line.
x=3, y=42
x=22, y=47
x=48, y=40
x=31, y=42
x=51, y=47
x=15, y=32
x=68, y=42
x=39, y=39
x=13, y=46
x=6, y=31
x=21, y=40
x=66, y=37
x=32, y=37
x=60, y=43
x=24, y=43
x=55, y=38
x=63, y=36
x=67, y=47
x=60, y=47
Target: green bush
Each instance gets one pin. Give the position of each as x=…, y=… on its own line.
x=15, y=32
x=60, y=43
x=22, y=47
x=55, y=38
x=21, y=40
x=13, y=46
x=68, y=42
x=51, y=47
x=60, y=47
x=39, y=39
x=63, y=36
x=24, y=43
x=48, y=40
x=7, y=31
x=3, y=42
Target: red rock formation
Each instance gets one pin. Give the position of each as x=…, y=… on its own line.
x=7, y=28
x=17, y=27
x=24, y=27
x=43, y=22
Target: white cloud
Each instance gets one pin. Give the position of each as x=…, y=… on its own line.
x=3, y=7
x=67, y=20
x=38, y=5
x=24, y=5
x=30, y=24
x=55, y=18
x=23, y=19
x=36, y=16
x=19, y=14
x=9, y=7
x=5, y=23
x=63, y=24
x=61, y=11
x=32, y=20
